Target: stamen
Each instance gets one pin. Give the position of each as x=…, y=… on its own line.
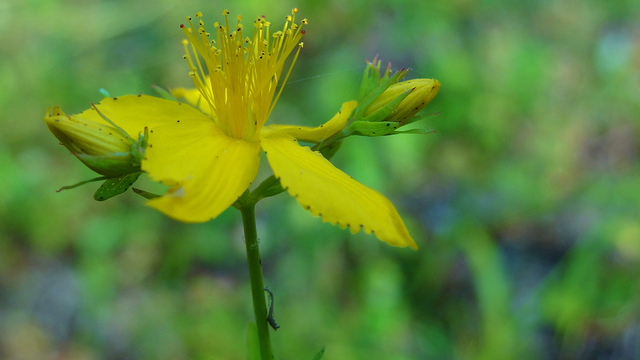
x=244, y=71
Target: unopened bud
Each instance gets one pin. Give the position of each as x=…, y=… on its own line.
x=385, y=104
x=400, y=102
x=107, y=150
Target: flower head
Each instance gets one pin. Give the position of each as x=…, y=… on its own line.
x=209, y=153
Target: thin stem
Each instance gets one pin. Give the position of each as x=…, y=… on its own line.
x=255, y=277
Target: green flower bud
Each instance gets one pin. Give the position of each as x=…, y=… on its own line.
x=107, y=150
x=385, y=104
x=406, y=98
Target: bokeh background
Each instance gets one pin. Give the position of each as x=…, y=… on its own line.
x=524, y=204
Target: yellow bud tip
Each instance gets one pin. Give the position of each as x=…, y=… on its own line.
x=198, y=14
x=295, y=10
x=225, y=12
x=185, y=42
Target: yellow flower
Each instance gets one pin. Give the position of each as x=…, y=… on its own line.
x=209, y=153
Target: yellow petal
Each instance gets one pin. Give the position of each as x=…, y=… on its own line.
x=316, y=134
x=193, y=97
x=325, y=191
x=135, y=112
x=208, y=170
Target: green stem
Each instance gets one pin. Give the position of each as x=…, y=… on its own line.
x=255, y=277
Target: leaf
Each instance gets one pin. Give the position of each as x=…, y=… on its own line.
x=115, y=186
x=145, y=194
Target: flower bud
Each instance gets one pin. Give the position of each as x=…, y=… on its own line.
x=403, y=100
x=107, y=150
x=385, y=104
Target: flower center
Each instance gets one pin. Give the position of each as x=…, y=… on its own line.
x=242, y=72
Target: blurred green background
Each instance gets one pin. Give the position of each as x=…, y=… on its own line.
x=525, y=204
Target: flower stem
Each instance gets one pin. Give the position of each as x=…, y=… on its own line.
x=255, y=277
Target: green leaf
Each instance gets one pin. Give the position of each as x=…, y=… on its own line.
x=145, y=194
x=366, y=128
x=115, y=186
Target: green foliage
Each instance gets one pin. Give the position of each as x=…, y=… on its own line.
x=116, y=186
x=524, y=203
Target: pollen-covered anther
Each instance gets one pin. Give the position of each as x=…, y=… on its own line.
x=198, y=14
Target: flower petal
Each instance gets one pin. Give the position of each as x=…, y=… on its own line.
x=193, y=97
x=207, y=169
x=135, y=112
x=325, y=191
x=316, y=134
